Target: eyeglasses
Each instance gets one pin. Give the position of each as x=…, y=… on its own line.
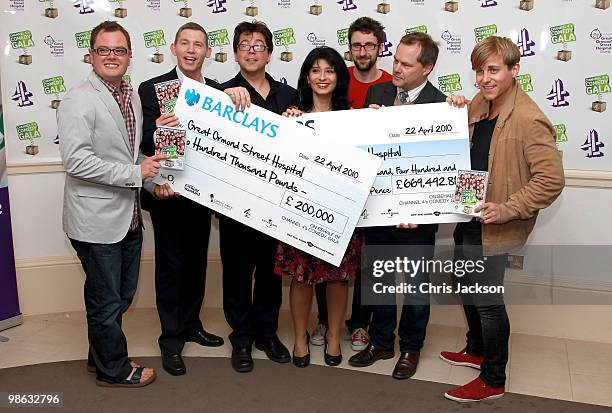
x=258, y=47
x=356, y=47
x=105, y=51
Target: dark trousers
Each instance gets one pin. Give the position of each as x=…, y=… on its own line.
x=111, y=278
x=488, y=323
x=250, y=311
x=360, y=313
x=411, y=330
x=321, y=296
x=415, y=244
x=182, y=229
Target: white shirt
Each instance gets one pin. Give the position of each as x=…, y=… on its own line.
x=182, y=76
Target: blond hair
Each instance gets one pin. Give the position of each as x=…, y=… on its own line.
x=495, y=45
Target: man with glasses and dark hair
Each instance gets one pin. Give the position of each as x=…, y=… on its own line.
x=180, y=250
x=366, y=38
x=414, y=60
x=99, y=124
x=252, y=312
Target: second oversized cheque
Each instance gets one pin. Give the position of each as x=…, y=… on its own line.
x=422, y=147
x=262, y=170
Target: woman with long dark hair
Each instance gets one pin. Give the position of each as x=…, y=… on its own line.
x=322, y=86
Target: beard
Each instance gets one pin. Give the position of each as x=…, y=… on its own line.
x=367, y=66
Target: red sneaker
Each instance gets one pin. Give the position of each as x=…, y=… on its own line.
x=474, y=391
x=462, y=358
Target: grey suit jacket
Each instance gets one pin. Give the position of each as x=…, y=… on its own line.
x=384, y=94
x=101, y=172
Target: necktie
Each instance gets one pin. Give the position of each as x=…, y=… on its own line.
x=404, y=98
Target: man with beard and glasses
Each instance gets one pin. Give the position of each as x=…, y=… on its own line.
x=366, y=39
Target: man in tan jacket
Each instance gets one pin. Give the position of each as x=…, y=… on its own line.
x=514, y=141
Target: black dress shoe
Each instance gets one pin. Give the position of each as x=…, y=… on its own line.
x=302, y=361
x=406, y=366
x=173, y=364
x=369, y=355
x=204, y=338
x=274, y=349
x=242, y=361
x=331, y=360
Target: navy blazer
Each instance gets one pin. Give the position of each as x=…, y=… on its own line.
x=384, y=94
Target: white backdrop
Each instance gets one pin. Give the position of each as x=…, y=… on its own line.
x=566, y=46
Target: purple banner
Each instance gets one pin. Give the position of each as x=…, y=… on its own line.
x=9, y=303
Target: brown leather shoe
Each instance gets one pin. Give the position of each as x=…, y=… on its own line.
x=369, y=355
x=406, y=366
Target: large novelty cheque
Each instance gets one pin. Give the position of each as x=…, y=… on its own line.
x=422, y=147
x=262, y=170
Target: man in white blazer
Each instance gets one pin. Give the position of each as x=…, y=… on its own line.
x=99, y=124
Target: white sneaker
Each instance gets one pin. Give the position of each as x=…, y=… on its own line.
x=359, y=339
x=317, y=338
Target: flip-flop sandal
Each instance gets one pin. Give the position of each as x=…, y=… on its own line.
x=92, y=369
x=134, y=380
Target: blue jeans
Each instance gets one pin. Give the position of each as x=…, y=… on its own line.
x=414, y=244
x=415, y=311
x=111, y=278
x=412, y=327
